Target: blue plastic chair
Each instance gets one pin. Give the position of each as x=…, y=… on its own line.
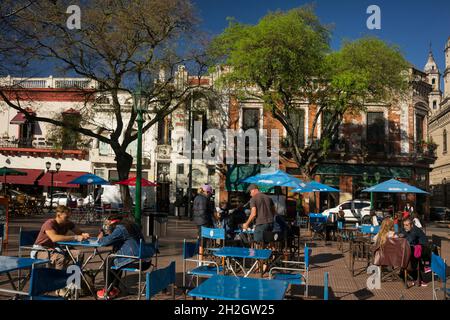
x=146, y=252
x=294, y=275
x=160, y=279
x=45, y=280
x=204, y=268
x=439, y=269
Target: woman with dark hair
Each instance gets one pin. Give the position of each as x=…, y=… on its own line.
x=124, y=236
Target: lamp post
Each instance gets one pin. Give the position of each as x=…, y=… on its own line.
x=52, y=172
x=139, y=108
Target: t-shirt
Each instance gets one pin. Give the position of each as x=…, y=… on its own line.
x=51, y=224
x=264, y=208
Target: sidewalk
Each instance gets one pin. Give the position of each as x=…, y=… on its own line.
x=343, y=286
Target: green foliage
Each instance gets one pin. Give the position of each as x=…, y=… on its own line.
x=286, y=57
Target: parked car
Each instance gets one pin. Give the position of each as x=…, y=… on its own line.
x=354, y=210
x=439, y=214
x=59, y=199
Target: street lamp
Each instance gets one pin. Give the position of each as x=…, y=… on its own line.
x=52, y=172
x=139, y=108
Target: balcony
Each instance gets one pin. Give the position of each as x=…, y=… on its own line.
x=37, y=147
x=50, y=82
x=426, y=151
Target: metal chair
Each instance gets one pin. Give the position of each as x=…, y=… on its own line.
x=297, y=275
x=360, y=251
x=204, y=268
x=317, y=224
x=45, y=280
x=158, y=280
x=439, y=269
x=146, y=252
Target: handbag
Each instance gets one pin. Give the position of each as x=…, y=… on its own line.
x=417, y=251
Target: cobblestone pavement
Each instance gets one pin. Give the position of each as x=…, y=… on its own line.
x=325, y=258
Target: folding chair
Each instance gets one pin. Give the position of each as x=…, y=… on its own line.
x=45, y=280
x=439, y=269
x=395, y=255
x=158, y=280
x=317, y=223
x=214, y=235
x=360, y=251
x=146, y=252
x=437, y=243
x=26, y=242
x=297, y=275
x=204, y=268
x=343, y=235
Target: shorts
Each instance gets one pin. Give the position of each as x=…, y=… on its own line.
x=258, y=236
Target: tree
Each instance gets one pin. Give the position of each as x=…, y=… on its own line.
x=286, y=59
x=121, y=45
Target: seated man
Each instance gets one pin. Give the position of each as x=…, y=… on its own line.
x=54, y=230
x=415, y=237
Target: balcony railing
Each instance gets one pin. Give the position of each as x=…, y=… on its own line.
x=50, y=82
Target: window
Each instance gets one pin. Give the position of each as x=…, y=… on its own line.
x=104, y=149
x=180, y=169
x=211, y=171
x=444, y=141
x=433, y=81
x=434, y=105
x=419, y=127
x=298, y=122
x=132, y=149
x=101, y=173
x=376, y=132
x=164, y=132
x=250, y=119
x=346, y=206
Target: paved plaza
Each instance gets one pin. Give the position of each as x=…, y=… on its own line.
x=325, y=258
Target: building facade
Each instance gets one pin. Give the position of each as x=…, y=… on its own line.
x=439, y=129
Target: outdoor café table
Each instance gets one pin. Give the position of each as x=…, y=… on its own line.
x=91, y=243
x=234, y=253
x=10, y=264
x=221, y=287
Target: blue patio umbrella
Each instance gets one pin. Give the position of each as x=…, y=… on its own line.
x=89, y=179
x=278, y=178
x=314, y=186
x=394, y=186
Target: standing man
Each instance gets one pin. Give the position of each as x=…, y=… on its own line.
x=263, y=210
x=203, y=208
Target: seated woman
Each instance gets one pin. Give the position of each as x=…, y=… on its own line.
x=386, y=231
x=125, y=236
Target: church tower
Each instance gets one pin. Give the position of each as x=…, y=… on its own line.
x=434, y=79
x=447, y=70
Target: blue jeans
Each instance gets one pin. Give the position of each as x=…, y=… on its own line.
x=259, y=231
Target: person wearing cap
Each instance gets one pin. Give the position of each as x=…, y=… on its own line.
x=262, y=211
x=124, y=236
x=203, y=208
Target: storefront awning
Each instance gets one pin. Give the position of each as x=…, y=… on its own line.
x=358, y=170
x=31, y=176
x=18, y=119
x=60, y=179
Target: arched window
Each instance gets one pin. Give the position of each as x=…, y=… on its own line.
x=434, y=105
x=444, y=139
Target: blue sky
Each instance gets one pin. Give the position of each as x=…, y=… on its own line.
x=410, y=24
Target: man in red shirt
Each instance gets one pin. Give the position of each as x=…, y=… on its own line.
x=54, y=230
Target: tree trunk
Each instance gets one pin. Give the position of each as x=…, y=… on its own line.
x=124, y=162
